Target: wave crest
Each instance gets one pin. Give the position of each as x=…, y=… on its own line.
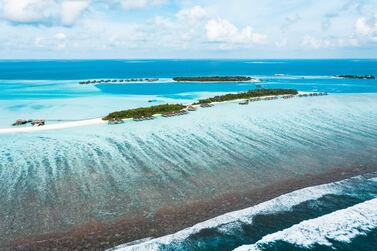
x=339, y=226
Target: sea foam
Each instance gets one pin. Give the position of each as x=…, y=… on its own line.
x=279, y=204
x=339, y=226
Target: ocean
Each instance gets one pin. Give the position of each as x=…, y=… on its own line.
x=302, y=171
x=336, y=216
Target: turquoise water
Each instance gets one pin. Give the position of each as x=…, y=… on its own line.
x=52, y=181
x=50, y=90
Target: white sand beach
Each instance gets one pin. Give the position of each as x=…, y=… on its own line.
x=96, y=121
x=64, y=125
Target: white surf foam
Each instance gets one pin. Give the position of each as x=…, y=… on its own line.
x=339, y=226
x=281, y=203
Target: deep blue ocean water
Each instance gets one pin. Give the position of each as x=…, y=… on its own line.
x=305, y=75
x=115, y=171
x=92, y=69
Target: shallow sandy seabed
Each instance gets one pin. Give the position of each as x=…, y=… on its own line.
x=55, y=180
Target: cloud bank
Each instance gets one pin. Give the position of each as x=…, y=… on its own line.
x=199, y=28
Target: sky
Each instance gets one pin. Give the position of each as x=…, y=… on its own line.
x=99, y=29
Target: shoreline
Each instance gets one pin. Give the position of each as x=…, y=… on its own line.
x=97, y=235
x=78, y=123
x=99, y=121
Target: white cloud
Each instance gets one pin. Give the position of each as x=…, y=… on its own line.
x=366, y=26
x=194, y=14
x=60, y=36
x=282, y=42
x=221, y=30
x=139, y=4
x=318, y=43
x=111, y=28
x=71, y=10
x=134, y=4
x=51, y=42
x=43, y=11
x=27, y=10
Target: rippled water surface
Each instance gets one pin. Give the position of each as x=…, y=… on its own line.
x=51, y=181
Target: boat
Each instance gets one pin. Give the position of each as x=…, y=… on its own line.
x=244, y=102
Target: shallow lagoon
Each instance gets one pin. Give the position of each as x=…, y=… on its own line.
x=72, y=176
x=53, y=181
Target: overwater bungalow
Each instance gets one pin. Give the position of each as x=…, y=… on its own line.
x=115, y=121
x=142, y=118
x=151, y=79
x=38, y=122
x=190, y=108
x=288, y=96
x=206, y=105
x=255, y=99
x=20, y=122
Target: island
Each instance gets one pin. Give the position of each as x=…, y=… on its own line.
x=145, y=112
x=370, y=77
x=214, y=79
x=163, y=110
x=169, y=110
x=249, y=94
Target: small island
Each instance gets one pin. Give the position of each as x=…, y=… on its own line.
x=214, y=79
x=145, y=112
x=369, y=77
x=168, y=110
x=248, y=95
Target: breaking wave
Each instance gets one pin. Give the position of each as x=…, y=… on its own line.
x=250, y=225
x=340, y=226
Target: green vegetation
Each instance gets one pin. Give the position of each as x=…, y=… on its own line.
x=357, y=76
x=213, y=79
x=248, y=95
x=144, y=111
x=172, y=108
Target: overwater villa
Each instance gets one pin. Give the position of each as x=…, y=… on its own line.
x=173, y=114
x=118, y=81
x=38, y=122
x=115, y=121
x=20, y=122
x=289, y=96
x=206, y=105
x=191, y=108
x=142, y=118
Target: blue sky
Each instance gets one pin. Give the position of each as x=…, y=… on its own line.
x=188, y=29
